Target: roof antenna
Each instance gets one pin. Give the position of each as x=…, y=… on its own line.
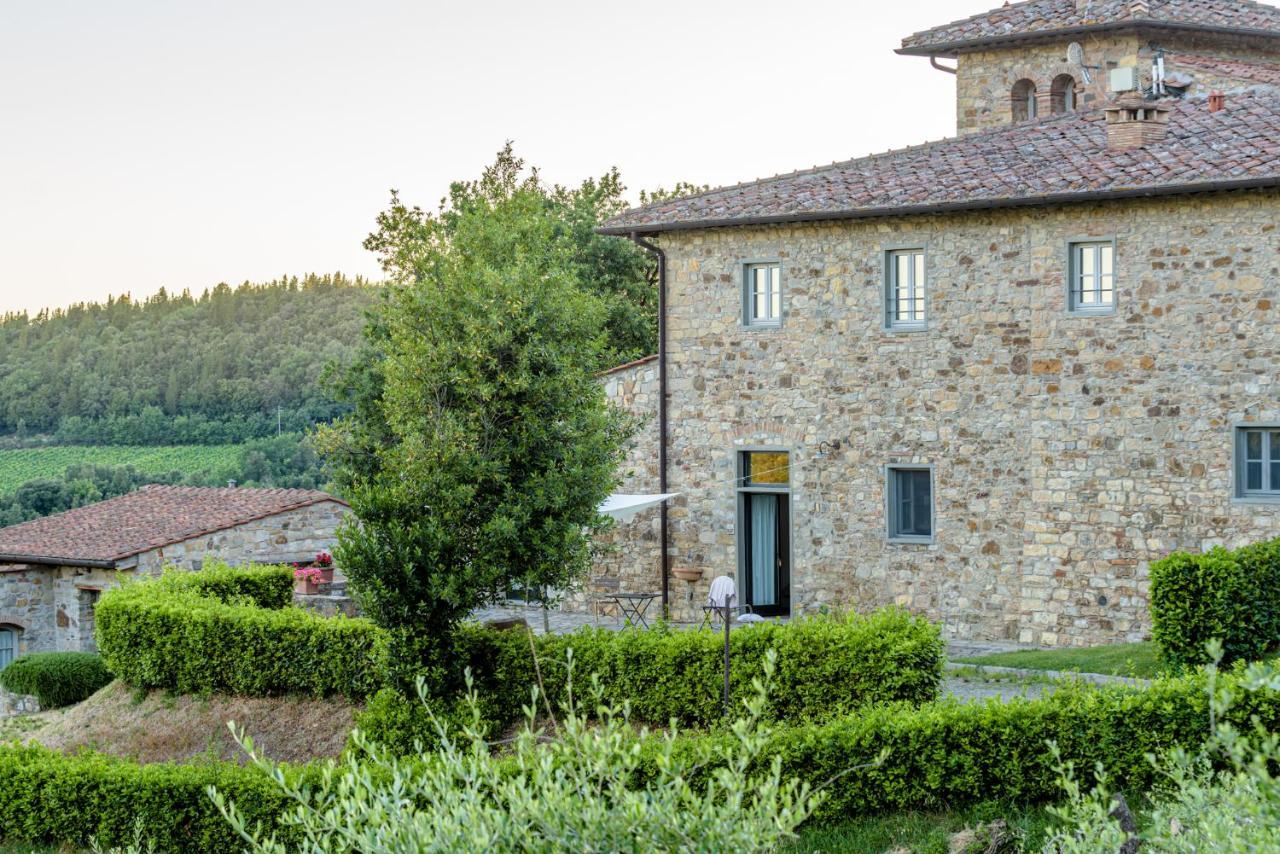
x=1075, y=56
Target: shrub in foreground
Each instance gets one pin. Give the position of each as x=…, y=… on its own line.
x=1223, y=797
x=578, y=791
x=227, y=630
x=941, y=756
x=56, y=679
x=1232, y=596
x=52, y=799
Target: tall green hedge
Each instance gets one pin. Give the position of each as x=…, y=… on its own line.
x=56, y=679
x=941, y=756
x=228, y=630
x=1233, y=596
x=825, y=666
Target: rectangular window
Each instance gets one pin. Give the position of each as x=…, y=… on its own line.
x=8, y=647
x=766, y=468
x=905, y=285
x=910, y=504
x=762, y=295
x=1258, y=462
x=1092, y=277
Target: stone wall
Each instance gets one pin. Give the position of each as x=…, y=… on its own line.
x=17, y=704
x=630, y=557
x=54, y=605
x=1069, y=451
x=985, y=79
x=283, y=538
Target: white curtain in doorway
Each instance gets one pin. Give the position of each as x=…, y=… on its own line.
x=764, y=549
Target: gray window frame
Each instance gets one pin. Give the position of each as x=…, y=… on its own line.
x=741, y=490
x=890, y=504
x=889, y=301
x=14, y=634
x=1239, y=467
x=748, y=303
x=1073, y=271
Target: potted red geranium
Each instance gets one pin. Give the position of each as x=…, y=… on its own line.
x=306, y=579
x=324, y=562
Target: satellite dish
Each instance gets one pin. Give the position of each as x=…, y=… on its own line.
x=1075, y=56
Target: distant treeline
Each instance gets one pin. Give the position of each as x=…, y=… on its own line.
x=284, y=461
x=226, y=366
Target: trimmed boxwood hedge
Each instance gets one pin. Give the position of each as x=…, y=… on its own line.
x=51, y=799
x=230, y=630
x=56, y=679
x=1233, y=596
x=941, y=756
x=826, y=666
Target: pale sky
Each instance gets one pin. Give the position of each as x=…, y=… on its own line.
x=150, y=143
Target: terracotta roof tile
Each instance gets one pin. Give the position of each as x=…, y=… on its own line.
x=146, y=519
x=1258, y=72
x=1045, y=17
x=1055, y=159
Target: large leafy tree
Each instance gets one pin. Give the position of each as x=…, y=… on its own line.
x=480, y=442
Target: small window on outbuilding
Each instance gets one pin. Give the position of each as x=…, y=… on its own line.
x=8, y=645
x=1091, y=276
x=910, y=504
x=1023, y=98
x=762, y=295
x=1063, y=94
x=1258, y=463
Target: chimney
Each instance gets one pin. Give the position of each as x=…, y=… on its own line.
x=1217, y=102
x=231, y=484
x=1134, y=122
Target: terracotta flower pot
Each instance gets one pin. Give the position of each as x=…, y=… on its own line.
x=326, y=574
x=305, y=586
x=685, y=573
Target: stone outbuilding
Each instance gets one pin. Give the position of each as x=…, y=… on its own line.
x=53, y=569
x=989, y=378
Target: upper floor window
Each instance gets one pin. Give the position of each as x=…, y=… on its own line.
x=1091, y=274
x=1258, y=462
x=1063, y=94
x=762, y=295
x=905, y=287
x=1023, y=98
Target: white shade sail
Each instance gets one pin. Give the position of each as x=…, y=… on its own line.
x=623, y=507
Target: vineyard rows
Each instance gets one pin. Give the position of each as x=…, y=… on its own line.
x=19, y=466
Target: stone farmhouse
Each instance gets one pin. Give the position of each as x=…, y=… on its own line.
x=53, y=569
x=990, y=378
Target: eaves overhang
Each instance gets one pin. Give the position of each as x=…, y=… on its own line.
x=953, y=48
x=950, y=207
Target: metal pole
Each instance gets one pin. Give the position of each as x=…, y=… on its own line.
x=728, y=601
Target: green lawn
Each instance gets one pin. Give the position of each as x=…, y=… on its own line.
x=1122, y=659
x=923, y=833
x=24, y=464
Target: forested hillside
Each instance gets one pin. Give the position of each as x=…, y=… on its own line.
x=180, y=369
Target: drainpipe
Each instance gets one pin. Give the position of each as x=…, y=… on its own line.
x=933, y=60
x=662, y=411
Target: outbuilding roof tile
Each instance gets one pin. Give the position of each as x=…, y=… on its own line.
x=148, y=518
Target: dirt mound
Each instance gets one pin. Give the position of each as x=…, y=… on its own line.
x=158, y=727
